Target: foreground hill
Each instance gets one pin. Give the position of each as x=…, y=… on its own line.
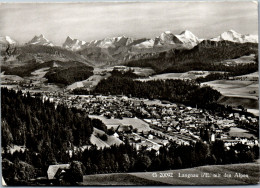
x=146, y=178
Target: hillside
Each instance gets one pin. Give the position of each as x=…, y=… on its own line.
x=19, y=55
x=57, y=72
x=196, y=58
x=146, y=178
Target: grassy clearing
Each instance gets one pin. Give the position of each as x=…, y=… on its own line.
x=148, y=178
x=242, y=60
x=248, y=103
x=252, y=170
x=139, y=124
x=190, y=75
x=235, y=87
x=117, y=179
x=238, y=92
x=238, y=132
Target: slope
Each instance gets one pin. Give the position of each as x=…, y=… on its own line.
x=174, y=176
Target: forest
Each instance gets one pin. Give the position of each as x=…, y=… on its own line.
x=69, y=75
x=58, y=72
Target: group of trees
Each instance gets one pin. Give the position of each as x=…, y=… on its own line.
x=186, y=92
x=69, y=75
x=235, y=70
x=125, y=158
x=30, y=122
x=59, y=72
x=45, y=131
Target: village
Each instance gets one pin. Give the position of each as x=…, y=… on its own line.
x=150, y=124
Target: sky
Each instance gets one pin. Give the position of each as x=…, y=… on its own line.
x=98, y=20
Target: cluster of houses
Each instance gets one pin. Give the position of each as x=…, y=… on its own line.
x=167, y=121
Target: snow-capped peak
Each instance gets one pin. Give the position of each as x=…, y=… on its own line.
x=187, y=37
x=69, y=38
x=40, y=40
x=73, y=44
x=234, y=36
x=7, y=40
x=148, y=43
x=113, y=42
x=166, y=38
x=167, y=32
x=187, y=33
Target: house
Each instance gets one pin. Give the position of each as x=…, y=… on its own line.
x=150, y=136
x=53, y=169
x=116, y=135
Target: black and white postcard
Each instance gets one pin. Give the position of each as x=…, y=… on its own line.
x=129, y=93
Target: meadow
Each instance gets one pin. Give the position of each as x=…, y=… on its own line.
x=227, y=175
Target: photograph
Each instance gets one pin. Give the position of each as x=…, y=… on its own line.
x=129, y=93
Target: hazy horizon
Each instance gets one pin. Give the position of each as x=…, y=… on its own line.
x=97, y=20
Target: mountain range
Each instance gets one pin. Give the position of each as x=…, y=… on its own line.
x=185, y=39
x=75, y=59
x=114, y=50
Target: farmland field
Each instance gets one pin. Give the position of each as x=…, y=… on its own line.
x=237, y=132
x=251, y=76
x=149, y=178
x=238, y=92
x=190, y=75
x=240, y=88
x=89, y=83
x=241, y=60
x=117, y=179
